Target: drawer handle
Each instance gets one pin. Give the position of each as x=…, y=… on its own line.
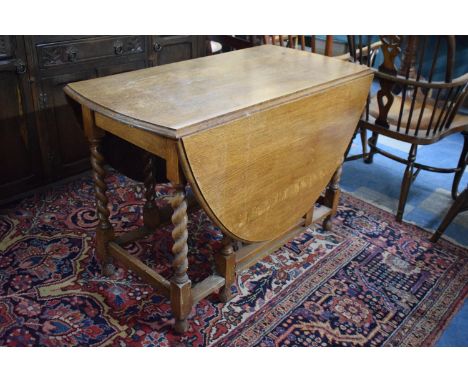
x=157, y=47
x=20, y=66
x=72, y=54
x=118, y=48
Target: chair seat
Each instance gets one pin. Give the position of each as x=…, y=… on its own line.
x=394, y=113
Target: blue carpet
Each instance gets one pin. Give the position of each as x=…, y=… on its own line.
x=428, y=201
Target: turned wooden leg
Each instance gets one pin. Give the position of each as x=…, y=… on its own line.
x=332, y=197
x=226, y=267
x=363, y=135
x=406, y=182
x=151, y=218
x=372, y=143
x=348, y=149
x=460, y=205
x=181, y=292
x=104, y=231
x=461, y=165
x=309, y=217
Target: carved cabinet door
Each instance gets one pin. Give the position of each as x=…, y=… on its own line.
x=20, y=162
x=65, y=149
x=169, y=49
x=41, y=137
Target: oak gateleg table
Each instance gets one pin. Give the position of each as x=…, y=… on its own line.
x=259, y=134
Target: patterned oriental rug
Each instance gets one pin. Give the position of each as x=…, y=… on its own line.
x=370, y=282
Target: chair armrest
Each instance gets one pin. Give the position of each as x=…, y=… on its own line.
x=373, y=48
x=343, y=57
x=459, y=81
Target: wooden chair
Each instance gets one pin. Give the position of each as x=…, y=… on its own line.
x=365, y=55
x=410, y=105
x=460, y=205
x=300, y=42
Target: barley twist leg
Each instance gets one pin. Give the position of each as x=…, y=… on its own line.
x=104, y=232
x=150, y=210
x=181, y=298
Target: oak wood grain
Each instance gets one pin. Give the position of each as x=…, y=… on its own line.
x=249, y=254
x=260, y=174
x=258, y=134
x=185, y=97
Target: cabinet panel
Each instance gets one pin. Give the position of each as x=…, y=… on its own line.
x=65, y=146
x=41, y=136
x=75, y=52
x=20, y=165
x=6, y=49
x=115, y=69
x=169, y=49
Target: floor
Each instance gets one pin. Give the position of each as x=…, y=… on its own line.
x=429, y=199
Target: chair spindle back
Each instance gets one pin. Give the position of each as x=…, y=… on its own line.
x=408, y=71
x=300, y=42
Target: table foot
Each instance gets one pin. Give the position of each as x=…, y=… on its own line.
x=108, y=269
x=181, y=326
x=181, y=303
x=328, y=223
x=225, y=295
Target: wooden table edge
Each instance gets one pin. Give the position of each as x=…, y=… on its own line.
x=180, y=132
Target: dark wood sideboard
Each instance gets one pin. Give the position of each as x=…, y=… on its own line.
x=41, y=138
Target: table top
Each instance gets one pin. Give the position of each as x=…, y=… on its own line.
x=179, y=99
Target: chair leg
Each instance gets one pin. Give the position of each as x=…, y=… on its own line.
x=460, y=204
x=461, y=165
x=370, y=157
x=406, y=183
x=350, y=143
x=363, y=134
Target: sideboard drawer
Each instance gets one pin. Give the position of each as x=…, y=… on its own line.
x=79, y=51
x=6, y=50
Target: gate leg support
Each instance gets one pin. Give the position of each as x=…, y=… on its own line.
x=332, y=197
x=151, y=217
x=226, y=267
